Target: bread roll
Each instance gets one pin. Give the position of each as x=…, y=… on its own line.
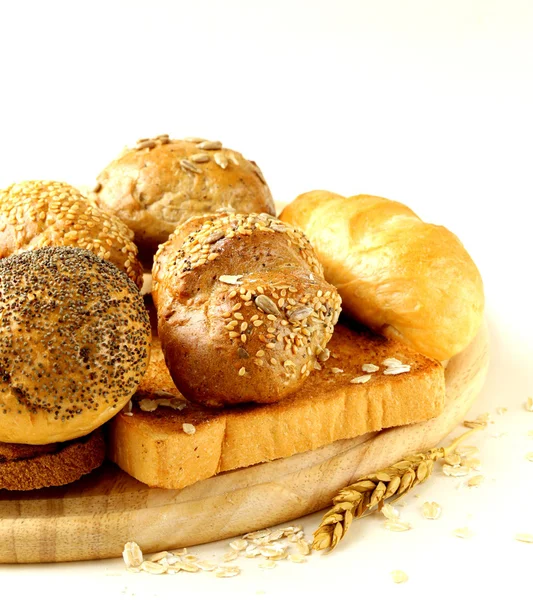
x=160, y=183
x=409, y=280
x=243, y=308
x=36, y=214
x=74, y=344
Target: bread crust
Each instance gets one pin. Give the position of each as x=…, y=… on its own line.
x=158, y=185
x=409, y=280
x=35, y=467
x=244, y=312
x=153, y=447
x=37, y=214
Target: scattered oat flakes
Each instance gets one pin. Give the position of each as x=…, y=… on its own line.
x=297, y=558
x=268, y=564
x=463, y=532
x=369, y=368
x=466, y=451
x=524, y=537
x=227, y=571
x=206, y=565
x=361, y=379
x=132, y=554
x=458, y=471
x=480, y=421
x=154, y=568
x=238, y=545
x=337, y=370
x=231, y=555
x=453, y=459
x=159, y=556
x=475, y=481
x=397, y=525
x=189, y=567
x=399, y=576
x=389, y=512
x=304, y=548
x=189, y=429
x=472, y=463
x=431, y=510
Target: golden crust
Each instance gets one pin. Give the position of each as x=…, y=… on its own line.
x=39, y=467
x=243, y=308
x=410, y=280
x=37, y=214
x=153, y=447
x=74, y=344
x=158, y=185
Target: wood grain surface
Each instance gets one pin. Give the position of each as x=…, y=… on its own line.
x=94, y=517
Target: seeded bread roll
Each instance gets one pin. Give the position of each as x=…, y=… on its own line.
x=74, y=344
x=244, y=312
x=36, y=214
x=160, y=183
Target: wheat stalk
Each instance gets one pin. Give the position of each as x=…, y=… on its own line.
x=371, y=491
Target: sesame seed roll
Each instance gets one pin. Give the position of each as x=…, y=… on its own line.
x=36, y=214
x=244, y=312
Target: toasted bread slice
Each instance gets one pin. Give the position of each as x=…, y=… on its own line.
x=154, y=447
x=27, y=467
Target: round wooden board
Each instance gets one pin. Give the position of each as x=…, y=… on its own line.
x=94, y=517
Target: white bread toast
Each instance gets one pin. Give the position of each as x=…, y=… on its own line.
x=154, y=448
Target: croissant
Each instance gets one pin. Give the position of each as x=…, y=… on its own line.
x=406, y=279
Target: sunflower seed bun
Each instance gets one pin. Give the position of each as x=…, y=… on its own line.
x=244, y=312
x=36, y=214
x=160, y=183
x=74, y=344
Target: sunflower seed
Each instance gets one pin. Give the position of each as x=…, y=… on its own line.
x=369, y=368
x=221, y=160
x=189, y=166
x=361, y=379
x=324, y=355
x=233, y=158
x=231, y=279
x=194, y=140
x=207, y=145
x=202, y=157
x=301, y=313
x=267, y=305
x=147, y=144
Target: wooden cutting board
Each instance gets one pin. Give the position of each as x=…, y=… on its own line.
x=94, y=517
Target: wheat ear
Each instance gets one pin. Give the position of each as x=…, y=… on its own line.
x=370, y=492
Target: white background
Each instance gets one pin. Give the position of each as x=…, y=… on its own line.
x=425, y=102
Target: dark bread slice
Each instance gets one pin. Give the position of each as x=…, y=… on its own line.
x=25, y=467
x=153, y=447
